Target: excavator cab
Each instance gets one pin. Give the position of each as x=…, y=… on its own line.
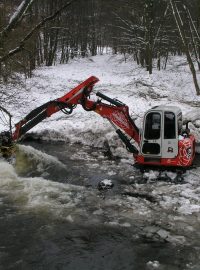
x=163, y=138
x=161, y=130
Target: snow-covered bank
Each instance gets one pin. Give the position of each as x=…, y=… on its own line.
x=123, y=80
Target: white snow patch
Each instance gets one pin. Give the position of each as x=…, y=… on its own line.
x=153, y=265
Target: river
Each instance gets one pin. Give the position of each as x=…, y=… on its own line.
x=52, y=215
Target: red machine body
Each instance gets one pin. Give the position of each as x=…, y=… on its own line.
x=184, y=158
x=150, y=147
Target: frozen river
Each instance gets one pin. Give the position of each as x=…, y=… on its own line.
x=52, y=216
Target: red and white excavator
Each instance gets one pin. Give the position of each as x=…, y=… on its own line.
x=163, y=141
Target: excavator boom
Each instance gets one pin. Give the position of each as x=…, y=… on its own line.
x=68, y=101
x=115, y=112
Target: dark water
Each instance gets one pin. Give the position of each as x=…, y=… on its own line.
x=38, y=239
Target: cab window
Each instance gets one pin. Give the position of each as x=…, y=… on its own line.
x=152, y=126
x=180, y=123
x=169, y=125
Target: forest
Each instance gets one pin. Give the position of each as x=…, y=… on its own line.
x=100, y=134
x=36, y=33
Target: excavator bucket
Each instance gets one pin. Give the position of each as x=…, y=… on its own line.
x=5, y=119
x=6, y=145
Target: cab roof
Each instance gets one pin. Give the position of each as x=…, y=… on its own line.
x=164, y=108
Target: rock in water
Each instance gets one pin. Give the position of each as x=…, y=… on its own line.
x=105, y=184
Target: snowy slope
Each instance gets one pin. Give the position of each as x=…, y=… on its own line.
x=124, y=80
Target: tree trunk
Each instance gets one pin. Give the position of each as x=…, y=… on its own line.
x=185, y=44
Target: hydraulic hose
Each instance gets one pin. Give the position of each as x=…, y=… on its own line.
x=111, y=100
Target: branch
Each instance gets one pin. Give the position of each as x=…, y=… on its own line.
x=156, y=38
x=193, y=25
x=16, y=17
x=32, y=31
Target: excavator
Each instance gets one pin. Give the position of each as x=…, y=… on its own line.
x=163, y=142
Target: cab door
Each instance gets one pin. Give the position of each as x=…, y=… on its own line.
x=151, y=141
x=170, y=136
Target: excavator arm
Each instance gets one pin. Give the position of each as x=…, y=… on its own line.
x=115, y=112
x=118, y=114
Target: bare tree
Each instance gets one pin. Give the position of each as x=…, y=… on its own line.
x=181, y=31
x=23, y=41
x=50, y=31
x=16, y=17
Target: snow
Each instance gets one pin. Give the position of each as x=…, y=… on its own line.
x=118, y=79
x=153, y=265
x=107, y=182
